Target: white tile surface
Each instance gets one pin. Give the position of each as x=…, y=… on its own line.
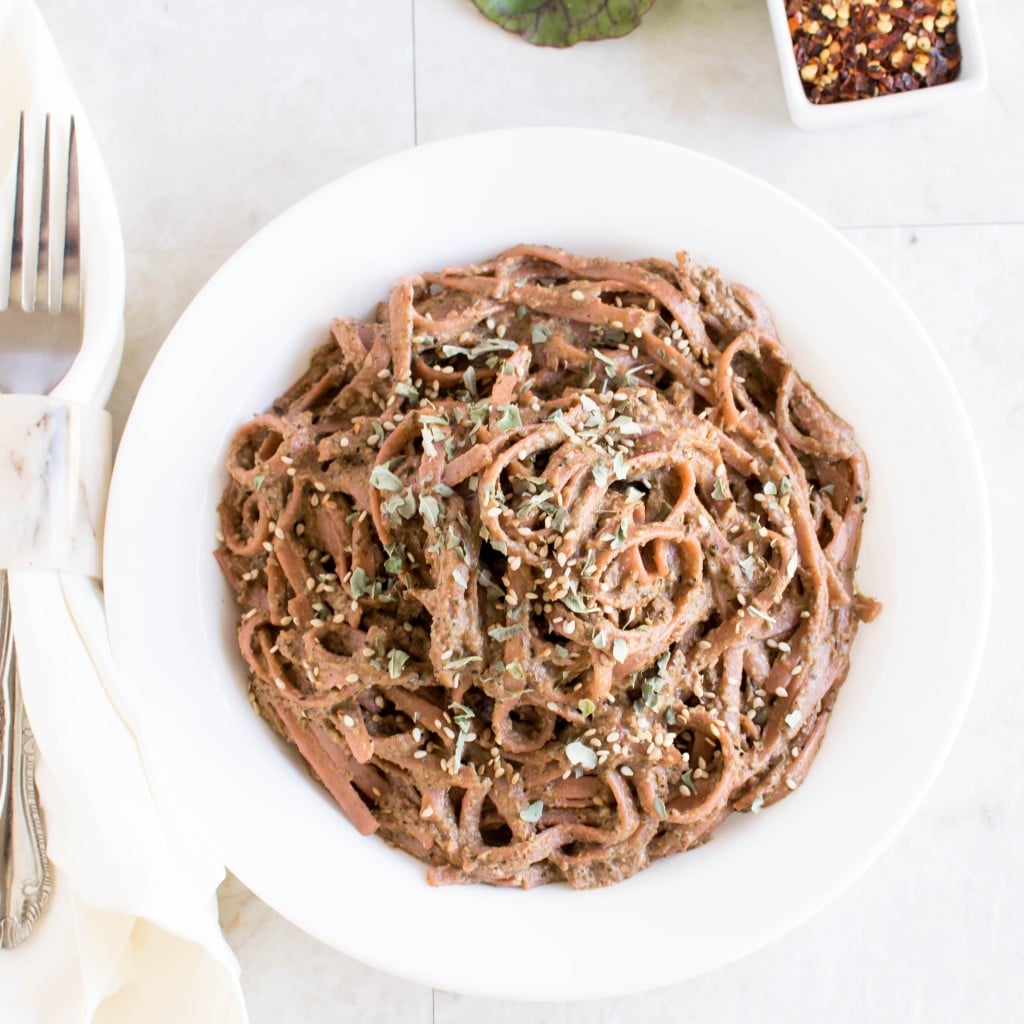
x=703, y=73
x=215, y=117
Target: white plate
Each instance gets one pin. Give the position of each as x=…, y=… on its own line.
x=926, y=554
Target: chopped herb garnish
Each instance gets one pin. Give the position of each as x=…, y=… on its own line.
x=540, y=333
x=770, y=488
x=462, y=720
x=687, y=780
x=359, y=582
x=619, y=650
x=626, y=425
x=515, y=670
x=575, y=603
x=510, y=419
x=747, y=566
x=430, y=509
x=600, y=472
x=784, y=485
x=659, y=808
x=581, y=755
x=383, y=479
x=600, y=639
x=396, y=662
x=396, y=559
x=587, y=707
x=760, y=614
x=719, y=491
x=533, y=812
x=403, y=505
x=258, y=480
x=463, y=662
x=501, y=633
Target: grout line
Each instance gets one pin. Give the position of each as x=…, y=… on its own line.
x=927, y=226
x=415, y=109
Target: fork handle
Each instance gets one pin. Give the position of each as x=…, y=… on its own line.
x=25, y=875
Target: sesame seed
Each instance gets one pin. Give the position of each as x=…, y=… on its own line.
x=349, y=721
x=577, y=295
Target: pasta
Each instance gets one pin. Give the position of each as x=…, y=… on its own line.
x=549, y=567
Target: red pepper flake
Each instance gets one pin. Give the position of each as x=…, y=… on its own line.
x=855, y=49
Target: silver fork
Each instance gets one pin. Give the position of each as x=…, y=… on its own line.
x=40, y=335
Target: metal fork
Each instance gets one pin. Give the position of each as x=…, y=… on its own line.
x=40, y=335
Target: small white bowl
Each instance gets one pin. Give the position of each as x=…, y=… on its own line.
x=973, y=78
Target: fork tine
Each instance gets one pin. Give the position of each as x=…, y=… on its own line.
x=71, y=291
x=17, y=240
x=43, y=257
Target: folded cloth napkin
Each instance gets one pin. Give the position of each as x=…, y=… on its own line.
x=131, y=931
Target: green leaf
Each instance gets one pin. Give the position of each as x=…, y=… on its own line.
x=511, y=419
x=565, y=22
x=463, y=662
x=587, y=707
x=396, y=559
x=258, y=480
x=430, y=509
x=533, y=812
x=502, y=633
x=659, y=808
x=359, y=582
x=580, y=754
x=575, y=603
x=383, y=479
x=396, y=662
x=619, y=650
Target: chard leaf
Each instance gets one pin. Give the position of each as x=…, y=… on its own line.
x=565, y=22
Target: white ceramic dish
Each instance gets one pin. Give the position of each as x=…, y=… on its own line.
x=248, y=334
x=973, y=79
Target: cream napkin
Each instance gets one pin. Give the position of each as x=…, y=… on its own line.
x=131, y=932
